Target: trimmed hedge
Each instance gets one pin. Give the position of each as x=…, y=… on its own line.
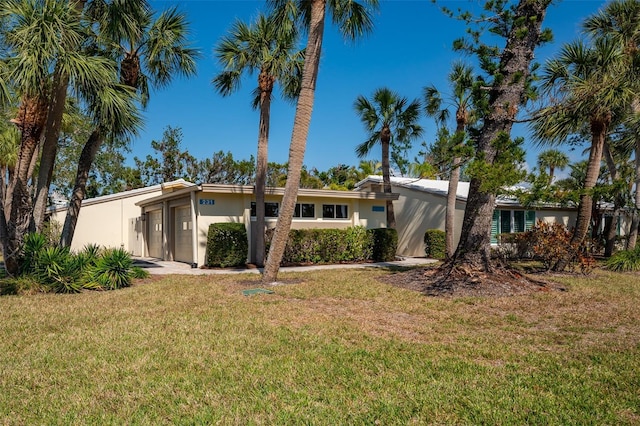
x=385, y=244
x=354, y=244
x=435, y=244
x=227, y=245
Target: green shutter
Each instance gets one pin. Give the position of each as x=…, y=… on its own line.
x=530, y=220
x=495, y=226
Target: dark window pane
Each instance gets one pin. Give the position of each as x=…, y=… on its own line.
x=505, y=221
x=296, y=212
x=328, y=211
x=342, y=211
x=253, y=209
x=308, y=210
x=518, y=221
x=271, y=209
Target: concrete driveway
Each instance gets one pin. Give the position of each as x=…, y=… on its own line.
x=162, y=267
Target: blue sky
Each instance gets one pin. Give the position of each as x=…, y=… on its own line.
x=409, y=49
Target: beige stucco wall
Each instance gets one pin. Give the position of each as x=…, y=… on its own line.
x=567, y=218
x=417, y=211
x=106, y=220
x=226, y=208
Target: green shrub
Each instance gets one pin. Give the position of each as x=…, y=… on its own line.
x=434, y=240
x=227, y=245
x=385, y=244
x=624, y=261
x=32, y=245
x=354, y=244
x=139, y=273
x=111, y=271
x=58, y=269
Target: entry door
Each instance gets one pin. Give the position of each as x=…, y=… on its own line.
x=183, y=241
x=154, y=233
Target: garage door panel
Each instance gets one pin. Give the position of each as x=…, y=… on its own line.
x=154, y=233
x=183, y=235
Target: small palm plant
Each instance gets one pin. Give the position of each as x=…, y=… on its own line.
x=625, y=261
x=112, y=270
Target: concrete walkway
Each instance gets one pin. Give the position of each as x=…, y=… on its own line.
x=162, y=267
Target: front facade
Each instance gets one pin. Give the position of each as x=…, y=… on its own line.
x=422, y=205
x=171, y=221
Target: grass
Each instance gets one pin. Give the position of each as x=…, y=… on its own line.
x=336, y=347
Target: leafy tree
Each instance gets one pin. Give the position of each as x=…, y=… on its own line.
x=353, y=19
x=508, y=70
x=461, y=99
x=169, y=162
x=222, y=168
x=266, y=48
x=391, y=121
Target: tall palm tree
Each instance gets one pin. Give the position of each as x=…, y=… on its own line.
x=37, y=36
x=552, y=159
x=261, y=47
x=51, y=132
x=620, y=21
x=150, y=53
x=353, y=18
x=389, y=120
x=461, y=79
x=585, y=81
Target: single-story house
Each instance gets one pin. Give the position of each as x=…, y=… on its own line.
x=171, y=221
x=422, y=205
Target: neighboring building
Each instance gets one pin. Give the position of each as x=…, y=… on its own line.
x=171, y=221
x=422, y=205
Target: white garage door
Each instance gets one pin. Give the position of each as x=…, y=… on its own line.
x=154, y=233
x=183, y=235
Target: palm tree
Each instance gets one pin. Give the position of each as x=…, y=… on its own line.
x=585, y=80
x=37, y=37
x=389, y=120
x=461, y=79
x=552, y=159
x=353, y=19
x=265, y=48
x=150, y=53
x=620, y=21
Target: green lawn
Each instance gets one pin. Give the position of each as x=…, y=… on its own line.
x=335, y=347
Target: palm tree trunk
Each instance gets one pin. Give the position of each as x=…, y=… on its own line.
x=385, y=140
x=450, y=216
x=473, y=251
x=87, y=156
x=585, y=206
x=30, y=120
x=301, y=123
x=265, y=82
x=50, y=146
x=635, y=218
x=612, y=230
x=598, y=132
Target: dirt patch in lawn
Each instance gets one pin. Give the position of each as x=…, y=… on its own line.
x=461, y=283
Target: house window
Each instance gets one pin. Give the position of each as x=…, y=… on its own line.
x=335, y=211
x=510, y=221
x=305, y=210
x=270, y=209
